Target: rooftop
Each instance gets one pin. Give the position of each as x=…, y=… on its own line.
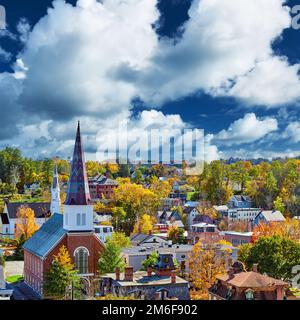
x=46, y=237
x=41, y=209
x=140, y=278
x=252, y=280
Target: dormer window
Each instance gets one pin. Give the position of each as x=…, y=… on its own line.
x=249, y=293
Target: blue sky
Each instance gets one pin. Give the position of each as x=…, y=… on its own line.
x=231, y=69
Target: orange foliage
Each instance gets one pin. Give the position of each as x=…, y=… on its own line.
x=288, y=229
x=25, y=224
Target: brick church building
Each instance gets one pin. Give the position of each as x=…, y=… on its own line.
x=73, y=229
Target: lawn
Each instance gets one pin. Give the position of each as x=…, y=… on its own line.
x=14, y=278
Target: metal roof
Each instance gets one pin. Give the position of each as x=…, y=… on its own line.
x=46, y=237
x=272, y=215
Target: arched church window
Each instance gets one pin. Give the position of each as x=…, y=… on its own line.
x=81, y=260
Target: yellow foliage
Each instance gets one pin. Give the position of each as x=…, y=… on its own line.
x=144, y=225
x=63, y=258
x=205, y=265
x=25, y=224
x=112, y=167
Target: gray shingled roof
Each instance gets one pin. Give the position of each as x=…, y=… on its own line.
x=41, y=209
x=272, y=215
x=46, y=237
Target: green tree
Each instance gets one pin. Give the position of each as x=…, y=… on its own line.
x=278, y=204
x=150, y=261
x=275, y=256
x=111, y=259
x=61, y=278
x=120, y=240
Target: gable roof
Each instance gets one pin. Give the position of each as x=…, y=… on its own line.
x=46, y=237
x=270, y=215
x=41, y=209
x=251, y=280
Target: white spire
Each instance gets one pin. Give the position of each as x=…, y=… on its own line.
x=55, y=193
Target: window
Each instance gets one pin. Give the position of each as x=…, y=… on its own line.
x=249, y=294
x=78, y=219
x=81, y=260
x=83, y=219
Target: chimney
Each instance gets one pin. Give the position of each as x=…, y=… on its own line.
x=173, y=276
x=231, y=273
x=118, y=274
x=279, y=293
x=128, y=275
x=149, y=271
x=254, y=268
x=157, y=296
x=6, y=200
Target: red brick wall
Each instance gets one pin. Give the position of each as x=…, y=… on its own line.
x=34, y=276
x=89, y=241
x=33, y=271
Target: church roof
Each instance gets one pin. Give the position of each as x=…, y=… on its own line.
x=78, y=188
x=46, y=237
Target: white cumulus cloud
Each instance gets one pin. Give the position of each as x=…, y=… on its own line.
x=246, y=130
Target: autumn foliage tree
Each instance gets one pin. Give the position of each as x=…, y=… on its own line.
x=289, y=229
x=135, y=201
x=25, y=224
x=176, y=235
x=144, y=224
x=205, y=265
x=61, y=277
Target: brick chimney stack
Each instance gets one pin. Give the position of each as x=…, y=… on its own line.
x=118, y=274
x=128, y=276
x=173, y=276
x=254, y=268
x=149, y=271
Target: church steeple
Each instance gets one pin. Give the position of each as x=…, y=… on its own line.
x=55, y=193
x=78, y=209
x=78, y=189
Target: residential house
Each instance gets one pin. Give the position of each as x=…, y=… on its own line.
x=239, y=201
x=135, y=255
x=268, y=216
x=242, y=214
x=237, y=238
x=163, y=284
x=238, y=284
x=103, y=232
x=101, y=186
x=169, y=218
x=139, y=239
x=9, y=215
x=74, y=230
x=207, y=233
x=31, y=187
